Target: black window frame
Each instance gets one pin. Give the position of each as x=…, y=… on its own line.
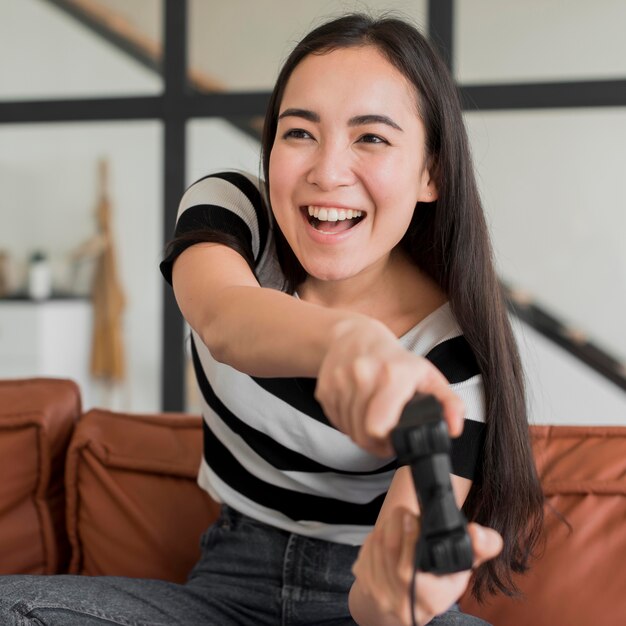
x=178, y=103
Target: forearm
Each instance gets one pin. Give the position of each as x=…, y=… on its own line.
x=259, y=331
x=264, y=332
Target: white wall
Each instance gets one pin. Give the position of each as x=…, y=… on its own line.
x=48, y=176
x=214, y=144
x=241, y=44
x=46, y=54
x=552, y=186
x=562, y=389
x=539, y=40
x=146, y=16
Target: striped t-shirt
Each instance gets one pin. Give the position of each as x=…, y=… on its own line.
x=269, y=450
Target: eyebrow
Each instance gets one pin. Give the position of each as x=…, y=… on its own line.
x=303, y=113
x=358, y=120
x=361, y=120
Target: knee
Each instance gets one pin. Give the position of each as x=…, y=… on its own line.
x=15, y=593
x=11, y=614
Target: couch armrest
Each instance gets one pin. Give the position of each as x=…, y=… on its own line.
x=133, y=505
x=579, y=578
x=36, y=421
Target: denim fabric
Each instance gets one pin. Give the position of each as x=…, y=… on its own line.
x=454, y=617
x=249, y=574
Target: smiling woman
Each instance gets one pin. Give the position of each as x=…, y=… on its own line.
x=320, y=301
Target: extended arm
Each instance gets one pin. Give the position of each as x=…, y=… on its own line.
x=364, y=375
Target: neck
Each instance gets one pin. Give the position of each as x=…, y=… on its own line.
x=396, y=292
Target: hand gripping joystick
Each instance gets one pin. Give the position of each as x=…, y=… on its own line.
x=421, y=440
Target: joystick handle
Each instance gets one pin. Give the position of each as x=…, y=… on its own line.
x=421, y=440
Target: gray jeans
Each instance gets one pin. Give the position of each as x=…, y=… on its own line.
x=249, y=574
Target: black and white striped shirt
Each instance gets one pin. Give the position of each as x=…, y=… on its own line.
x=269, y=450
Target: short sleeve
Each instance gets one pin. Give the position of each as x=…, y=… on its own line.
x=228, y=203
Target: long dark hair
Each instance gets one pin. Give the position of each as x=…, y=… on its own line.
x=448, y=239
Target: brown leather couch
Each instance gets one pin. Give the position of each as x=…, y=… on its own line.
x=112, y=493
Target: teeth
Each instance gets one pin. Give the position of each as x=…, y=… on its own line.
x=333, y=215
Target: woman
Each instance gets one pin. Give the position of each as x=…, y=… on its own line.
x=311, y=313
x=377, y=224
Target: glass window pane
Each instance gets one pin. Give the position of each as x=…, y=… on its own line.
x=50, y=54
x=218, y=143
x=552, y=186
x=49, y=175
x=227, y=52
x=509, y=41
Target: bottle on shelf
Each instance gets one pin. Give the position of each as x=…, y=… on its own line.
x=39, y=277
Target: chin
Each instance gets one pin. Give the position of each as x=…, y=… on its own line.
x=329, y=274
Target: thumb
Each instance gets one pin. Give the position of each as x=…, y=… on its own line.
x=486, y=543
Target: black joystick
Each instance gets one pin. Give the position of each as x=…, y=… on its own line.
x=421, y=440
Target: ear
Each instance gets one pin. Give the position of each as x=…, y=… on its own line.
x=428, y=188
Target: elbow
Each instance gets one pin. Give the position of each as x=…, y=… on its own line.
x=214, y=340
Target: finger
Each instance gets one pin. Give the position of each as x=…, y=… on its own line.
x=410, y=526
x=332, y=395
x=333, y=391
x=395, y=387
x=364, y=372
x=486, y=543
x=360, y=567
x=383, y=587
x=323, y=393
x=398, y=382
x=392, y=539
x=438, y=592
x=433, y=382
x=406, y=563
x=393, y=532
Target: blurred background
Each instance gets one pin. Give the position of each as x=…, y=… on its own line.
x=110, y=108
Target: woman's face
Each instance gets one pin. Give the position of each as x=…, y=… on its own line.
x=348, y=164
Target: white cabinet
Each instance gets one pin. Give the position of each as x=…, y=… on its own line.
x=48, y=338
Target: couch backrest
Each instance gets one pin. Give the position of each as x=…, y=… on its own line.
x=580, y=577
x=37, y=418
x=134, y=508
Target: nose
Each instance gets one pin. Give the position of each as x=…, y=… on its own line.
x=331, y=167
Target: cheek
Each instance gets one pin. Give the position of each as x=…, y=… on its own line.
x=395, y=191
x=393, y=187
x=280, y=173
x=279, y=187
x=274, y=168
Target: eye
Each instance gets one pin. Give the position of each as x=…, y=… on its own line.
x=370, y=138
x=296, y=133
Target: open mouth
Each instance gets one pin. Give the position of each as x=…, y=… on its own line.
x=332, y=220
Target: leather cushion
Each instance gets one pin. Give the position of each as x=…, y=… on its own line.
x=134, y=508
x=580, y=577
x=36, y=421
